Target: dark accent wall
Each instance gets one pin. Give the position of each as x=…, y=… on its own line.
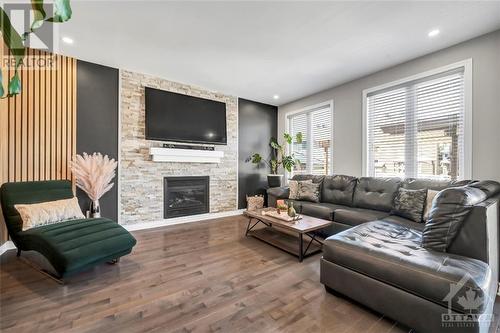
x=257, y=124
x=97, y=123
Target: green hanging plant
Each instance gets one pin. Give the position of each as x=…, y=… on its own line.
x=15, y=41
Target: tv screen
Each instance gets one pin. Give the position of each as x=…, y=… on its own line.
x=181, y=118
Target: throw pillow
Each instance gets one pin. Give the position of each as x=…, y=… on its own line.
x=294, y=188
x=451, y=207
x=309, y=191
x=44, y=213
x=428, y=203
x=410, y=204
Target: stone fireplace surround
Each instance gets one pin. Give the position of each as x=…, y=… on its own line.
x=141, y=179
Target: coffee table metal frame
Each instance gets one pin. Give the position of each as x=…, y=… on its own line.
x=302, y=253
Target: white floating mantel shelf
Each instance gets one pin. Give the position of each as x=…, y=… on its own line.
x=160, y=154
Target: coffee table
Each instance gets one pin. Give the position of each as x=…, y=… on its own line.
x=283, y=235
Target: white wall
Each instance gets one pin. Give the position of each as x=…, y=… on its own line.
x=485, y=54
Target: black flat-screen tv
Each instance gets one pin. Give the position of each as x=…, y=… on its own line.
x=182, y=118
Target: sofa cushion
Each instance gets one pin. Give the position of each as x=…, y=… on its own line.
x=279, y=192
x=450, y=207
x=392, y=254
x=489, y=187
x=338, y=189
x=376, y=193
x=314, y=178
x=321, y=210
x=404, y=222
x=410, y=204
x=354, y=216
x=74, y=245
x=422, y=183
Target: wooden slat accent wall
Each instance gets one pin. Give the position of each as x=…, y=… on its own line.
x=38, y=127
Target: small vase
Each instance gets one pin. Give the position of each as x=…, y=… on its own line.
x=95, y=209
x=291, y=210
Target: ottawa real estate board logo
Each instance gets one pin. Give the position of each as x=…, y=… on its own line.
x=471, y=303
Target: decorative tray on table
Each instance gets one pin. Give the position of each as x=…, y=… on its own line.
x=282, y=216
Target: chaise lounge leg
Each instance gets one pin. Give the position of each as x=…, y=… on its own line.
x=43, y=271
x=114, y=261
x=18, y=253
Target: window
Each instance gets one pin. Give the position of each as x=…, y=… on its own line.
x=316, y=149
x=417, y=128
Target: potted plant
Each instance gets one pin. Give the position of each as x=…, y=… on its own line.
x=278, y=158
x=93, y=174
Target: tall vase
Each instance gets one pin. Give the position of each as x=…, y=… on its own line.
x=95, y=209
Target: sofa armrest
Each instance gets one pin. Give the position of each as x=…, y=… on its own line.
x=275, y=193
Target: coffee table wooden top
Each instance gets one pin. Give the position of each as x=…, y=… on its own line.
x=305, y=224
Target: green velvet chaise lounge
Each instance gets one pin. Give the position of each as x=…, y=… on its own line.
x=71, y=246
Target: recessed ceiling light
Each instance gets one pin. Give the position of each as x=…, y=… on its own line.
x=433, y=33
x=276, y=97
x=67, y=40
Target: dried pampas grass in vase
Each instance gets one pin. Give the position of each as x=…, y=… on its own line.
x=94, y=174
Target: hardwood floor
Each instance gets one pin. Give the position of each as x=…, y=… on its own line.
x=197, y=277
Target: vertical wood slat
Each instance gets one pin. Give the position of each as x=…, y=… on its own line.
x=38, y=126
x=5, y=154
x=30, y=126
x=41, y=131
x=36, y=121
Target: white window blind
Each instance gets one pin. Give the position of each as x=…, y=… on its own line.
x=316, y=149
x=416, y=129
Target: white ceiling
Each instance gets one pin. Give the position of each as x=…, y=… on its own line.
x=257, y=49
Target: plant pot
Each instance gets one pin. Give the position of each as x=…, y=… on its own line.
x=275, y=180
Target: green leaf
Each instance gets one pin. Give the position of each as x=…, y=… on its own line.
x=298, y=137
x=12, y=38
x=275, y=144
x=1, y=83
x=288, y=162
x=256, y=158
x=39, y=14
x=62, y=12
x=288, y=138
x=15, y=85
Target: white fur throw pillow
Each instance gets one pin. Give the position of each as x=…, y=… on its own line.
x=428, y=203
x=44, y=213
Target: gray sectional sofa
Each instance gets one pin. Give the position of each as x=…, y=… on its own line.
x=434, y=276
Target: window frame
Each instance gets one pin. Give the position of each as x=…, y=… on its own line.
x=466, y=65
x=308, y=109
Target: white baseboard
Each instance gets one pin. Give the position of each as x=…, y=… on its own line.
x=8, y=245
x=179, y=220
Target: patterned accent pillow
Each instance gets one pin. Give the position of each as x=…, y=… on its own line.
x=50, y=212
x=294, y=188
x=309, y=191
x=428, y=203
x=410, y=204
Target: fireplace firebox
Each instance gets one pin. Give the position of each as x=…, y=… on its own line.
x=185, y=196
